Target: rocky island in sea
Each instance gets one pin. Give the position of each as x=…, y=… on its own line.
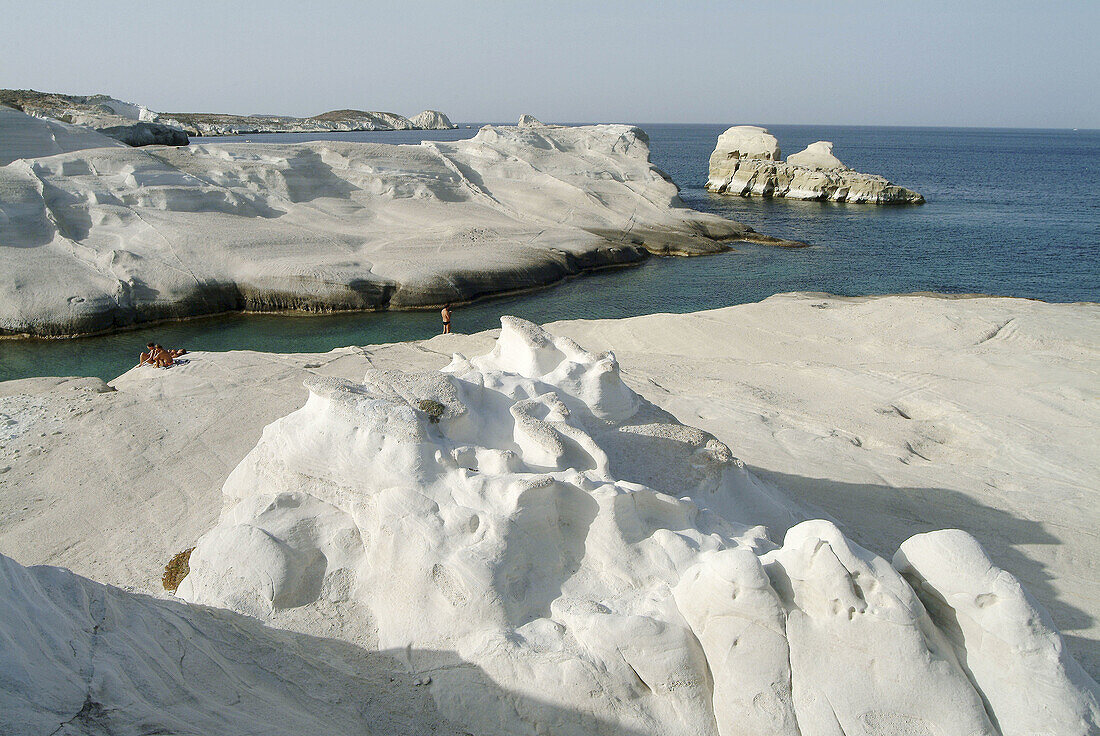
x=137, y=125
x=214, y=124
x=104, y=236
x=746, y=162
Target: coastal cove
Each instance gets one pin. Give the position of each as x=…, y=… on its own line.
x=999, y=219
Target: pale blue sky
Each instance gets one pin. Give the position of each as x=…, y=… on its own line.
x=1007, y=63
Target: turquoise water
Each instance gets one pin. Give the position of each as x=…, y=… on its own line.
x=1010, y=212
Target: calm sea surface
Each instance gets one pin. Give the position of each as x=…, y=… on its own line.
x=1011, y=212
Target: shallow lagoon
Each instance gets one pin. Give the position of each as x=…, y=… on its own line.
x=1008, y=213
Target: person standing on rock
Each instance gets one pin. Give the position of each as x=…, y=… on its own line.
x=446, y=314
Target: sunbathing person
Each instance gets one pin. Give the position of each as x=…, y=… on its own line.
x=160, y=356
x=163, y=358
x=147, y=357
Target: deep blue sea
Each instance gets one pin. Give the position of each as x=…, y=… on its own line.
x=1009, y=212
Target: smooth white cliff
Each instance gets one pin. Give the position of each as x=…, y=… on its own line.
x=105, y=236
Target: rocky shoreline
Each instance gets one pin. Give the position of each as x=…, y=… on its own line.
x=137, y=125
x=116, y=236
x=215, y=124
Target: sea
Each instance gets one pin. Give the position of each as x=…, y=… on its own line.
x=1008, y=212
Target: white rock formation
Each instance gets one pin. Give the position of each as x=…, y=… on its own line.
x=749, y=141
x=432, y=120
x=111, y=236
x=1006, y=641
x=131, y=124
x=528, y=511
x=746, y=162
x=864, y=408
x=529, y=121
x=817, y=155
x=216, y=124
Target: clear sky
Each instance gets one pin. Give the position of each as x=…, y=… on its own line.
x=965, y=62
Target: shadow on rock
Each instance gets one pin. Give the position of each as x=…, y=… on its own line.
x=79, y=657
x=881, y=517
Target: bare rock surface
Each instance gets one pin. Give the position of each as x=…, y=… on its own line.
x=134, y=125
x=102, y=236
x=746, y=162
x=605, y=564
x=432, y=120
x=817, y=155
x=749, y=141
x=29, y=137
x=78, y=657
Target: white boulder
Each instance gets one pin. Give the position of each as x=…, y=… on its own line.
x=817, y=155
x=747, y=141
x=432, y=120
x=529, y=121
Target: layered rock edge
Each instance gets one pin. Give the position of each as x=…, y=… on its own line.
x=746, y=162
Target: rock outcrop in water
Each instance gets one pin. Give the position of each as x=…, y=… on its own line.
x=749, y=142
x=818, y=156
x=105, y=236
x=432, y=120
x=746, y=162
x=528, y=511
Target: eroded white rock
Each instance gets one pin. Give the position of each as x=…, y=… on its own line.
x=432, y=120
x=1006, y=641
x=25, y=136
x=817, y=155
x=79, y=657
x=748, y=141
x=109, y=236
x=529, y=512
